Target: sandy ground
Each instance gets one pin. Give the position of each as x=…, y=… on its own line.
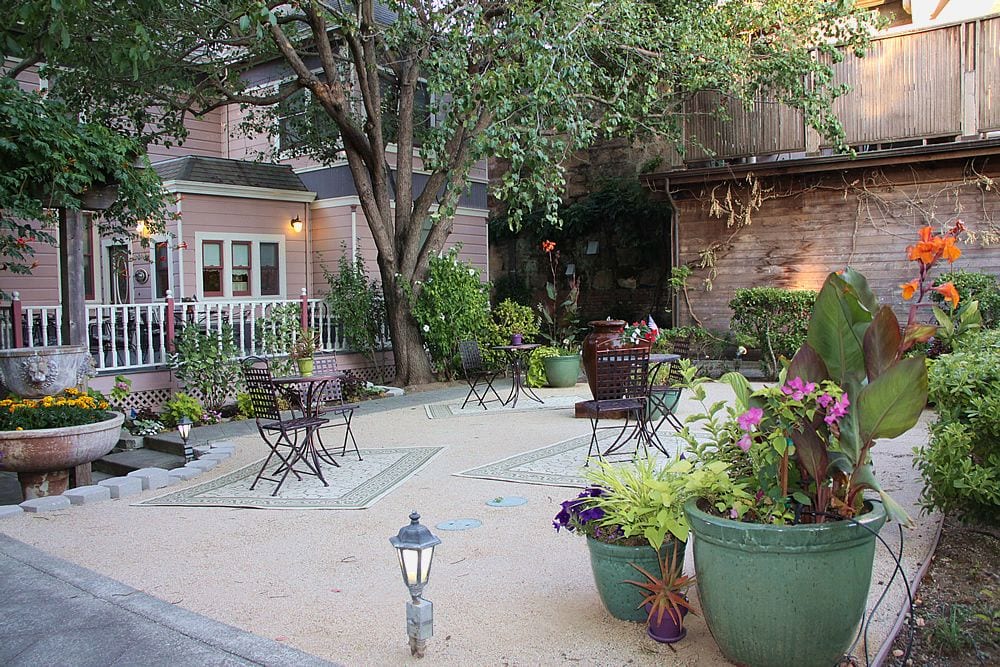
x=512, y=592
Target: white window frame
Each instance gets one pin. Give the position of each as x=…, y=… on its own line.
x=153, y=240
x=227, y=278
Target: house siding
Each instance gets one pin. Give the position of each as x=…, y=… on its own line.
x=204, y=138
x=859, y=218
x=205, y=215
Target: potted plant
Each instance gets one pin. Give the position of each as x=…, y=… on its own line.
x=803, y=539
x=43, y=439
x=666, y=602
x=302, y=352
x=633, y=514
x=516, y=322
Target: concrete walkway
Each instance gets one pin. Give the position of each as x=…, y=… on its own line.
x=510, y=592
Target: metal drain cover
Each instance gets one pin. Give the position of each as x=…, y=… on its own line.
x=506, y=501
x=459, y=524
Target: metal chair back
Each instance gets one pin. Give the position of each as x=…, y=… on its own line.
x=263, y=397
x=333, y=391
x=622, y=373
x=472, y=358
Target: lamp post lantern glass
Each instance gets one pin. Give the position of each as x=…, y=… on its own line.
x=415, y=549
x=184, y=430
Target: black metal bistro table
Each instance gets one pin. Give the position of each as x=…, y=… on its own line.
x=309, y=404
x=662, y=397
x=516, y=355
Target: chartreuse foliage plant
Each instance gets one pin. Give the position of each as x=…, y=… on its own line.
x=961, y=463
x=181, y=405
x=453, y=305
x=771, y=320
x=513, y=318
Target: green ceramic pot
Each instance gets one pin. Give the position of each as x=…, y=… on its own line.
x=305, y=366
x=562, y=371
x=610, y=564
x=783, y=595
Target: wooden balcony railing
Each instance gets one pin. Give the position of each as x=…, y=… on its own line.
x=938, y=83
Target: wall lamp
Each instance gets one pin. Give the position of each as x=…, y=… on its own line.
x=296, y=224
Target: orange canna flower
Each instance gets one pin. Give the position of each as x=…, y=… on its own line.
x=950, y=251
x=926, y=233
x=949, y=293
x=548, y=246
x=909, y=289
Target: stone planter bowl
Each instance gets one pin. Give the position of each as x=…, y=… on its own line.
x=33, y=372
x=42, y=458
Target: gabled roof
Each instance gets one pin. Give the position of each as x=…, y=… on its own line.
x=230, y=172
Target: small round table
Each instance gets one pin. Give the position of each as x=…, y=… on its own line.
x=310, y=408
x=516, y=355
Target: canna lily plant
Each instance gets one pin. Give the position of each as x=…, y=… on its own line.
x=809, y=439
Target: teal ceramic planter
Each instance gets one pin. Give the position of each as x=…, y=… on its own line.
x=562, y=371
x=610, y=564
x=774, y=596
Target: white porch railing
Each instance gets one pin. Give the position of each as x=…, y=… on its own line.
x=128, y=337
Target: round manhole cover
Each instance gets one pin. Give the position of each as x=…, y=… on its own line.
x=506, y=501
x=459, y=524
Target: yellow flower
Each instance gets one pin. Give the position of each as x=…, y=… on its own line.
x=19, y=428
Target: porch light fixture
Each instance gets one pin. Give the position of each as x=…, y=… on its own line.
x=184, y=430
x=296, y=224
x=142, y=229
x=415, y=548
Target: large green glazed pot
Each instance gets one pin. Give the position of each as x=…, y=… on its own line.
x=611, y=566
x=562, y=371
x=783, y=595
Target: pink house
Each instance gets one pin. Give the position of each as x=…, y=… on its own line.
x=246, y=236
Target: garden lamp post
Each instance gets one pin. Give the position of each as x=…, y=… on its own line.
x=415, y=548
x=184, y=429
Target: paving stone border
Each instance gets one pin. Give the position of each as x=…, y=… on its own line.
x=134, y=483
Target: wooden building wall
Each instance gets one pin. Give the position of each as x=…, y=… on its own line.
x=820, y=223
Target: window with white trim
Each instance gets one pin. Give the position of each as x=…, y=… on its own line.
x=240, y=265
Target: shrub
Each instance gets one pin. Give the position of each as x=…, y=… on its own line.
x=452, y=305
x=981, y=287
x=961, y=463
x=513, y=318
x=244, y=406
x=207, y=363
x=358, y=305
x=772, y=320
x=181, y=405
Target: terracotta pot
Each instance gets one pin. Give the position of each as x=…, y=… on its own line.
x=42, y=458
x=604, y=334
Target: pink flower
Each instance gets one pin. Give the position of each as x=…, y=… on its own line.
x=745, y=442
x=750, y=418
x=837, y=410
x=733, y=514
x=824, y=400
x=798, y=388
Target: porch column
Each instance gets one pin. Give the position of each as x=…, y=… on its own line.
x=73, y=292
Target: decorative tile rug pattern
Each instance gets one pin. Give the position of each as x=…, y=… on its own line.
x=560, y=464
x=354, y=485
x=445, y=410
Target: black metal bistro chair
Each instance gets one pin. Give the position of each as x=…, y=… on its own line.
x=477, y=373
x=620, y=388
x=665, y=393
x=288, y=438
x=331, y=403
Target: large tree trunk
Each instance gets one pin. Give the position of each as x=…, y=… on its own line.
x=412, y=364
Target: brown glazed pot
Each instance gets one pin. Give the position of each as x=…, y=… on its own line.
x=604, y=334
x=42, y=458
